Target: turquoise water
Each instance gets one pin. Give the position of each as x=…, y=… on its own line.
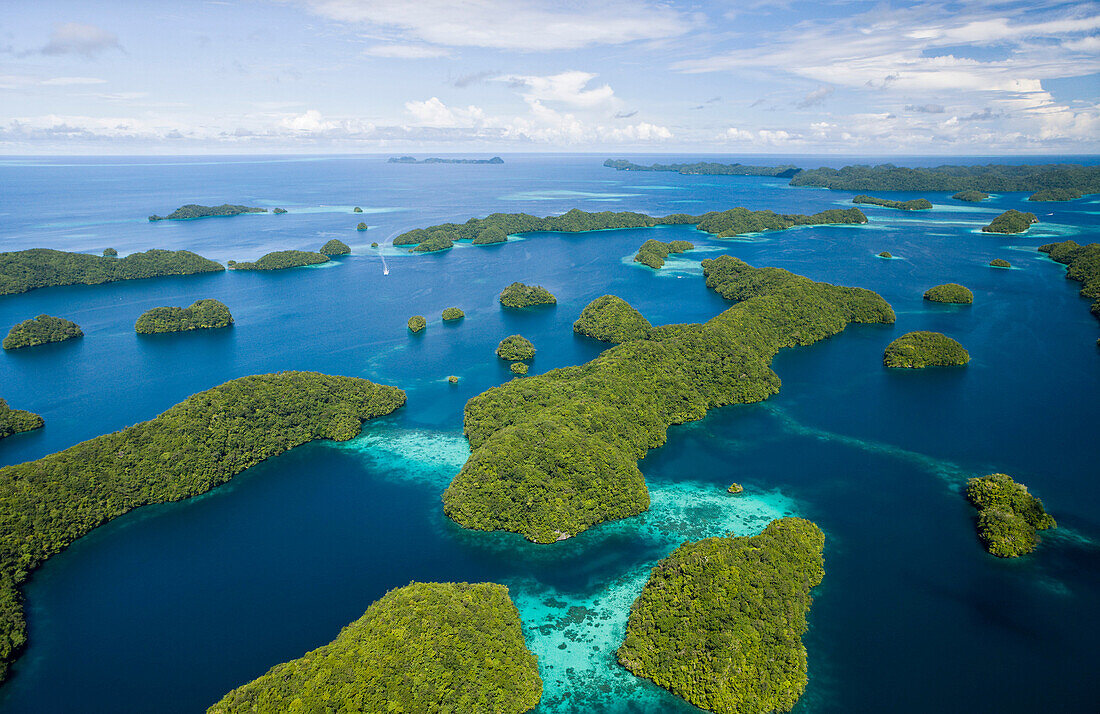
x=171, y=606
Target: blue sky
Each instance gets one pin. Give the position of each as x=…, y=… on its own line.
x=313, y=76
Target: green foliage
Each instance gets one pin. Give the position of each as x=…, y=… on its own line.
x=1056, y=194
x=357, y=209
x=720, y=621
x=1000, y=263
x=417, y=323
x=334, y=247
x=193, y=210
x=15, y=421
x=735, y=488
x=885, y=254
x=110, y=253
x=737, y=221
x=361, y=227
x=1008, y=516
x=452, y=379
x=490, y=235
x=518, y=368
x=557, y=453
x=426, y=648
x=515, y=348
x=518, y=295
x=25, y=270
x=611, y=319
x=201, y=315
x=992, y=177
x=374, y=245
x=41, y=330
x=917, y=204
x=282, y=259
x=1011, y=221
x=915, y=350
x=706, y=168
x=453, y=313
x=279, y=211
x=970, y=196
x=654, y=252
x=950, y=292
x=193, y=447
x=436, y=240
x=1082, y=264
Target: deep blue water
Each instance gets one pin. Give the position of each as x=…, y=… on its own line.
x=171, y=606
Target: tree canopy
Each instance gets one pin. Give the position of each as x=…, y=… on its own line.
x=41, y=330
x=24, y=270
x=915, y=350
x=1008, y=515
x=201, y=315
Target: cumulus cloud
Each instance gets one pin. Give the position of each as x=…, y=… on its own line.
x=80, y=39
x=433, y=112
x=566, y=87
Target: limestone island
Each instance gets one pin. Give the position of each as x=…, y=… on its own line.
x=885, y=254
x=518, y=295
x=281, y=260
x=916, y=204
x=417, y=323
x=193, y=210
x=999, y=263
x=920, y=349
x=361, y=227
x=611, y=319
x=518, y=368
x=335, y=247
x=453, y=313
x=357, y=209
x=735, y=488
x=706, y=168
x=433, y=160
x=997, y=178
x=1008, y=516
x=201, y=315
x=24, y=270
x=515, y=348
x=720, y=621
x=374, y=244
x=950, y=293
x=653, y=252
x=437, y=240
x=1011, y=221
x=41, y=330
x=16, y=421
x=1055, y=194
x=188, y=450
x=452, y=379
x=1082, y=264
x=971, y=196
x=279, y=211
x=426, y=647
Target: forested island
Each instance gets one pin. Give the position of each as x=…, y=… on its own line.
x=611, y=319
x=706, y=168
x=453, y=313
x=971, y=196
x=24, y=270
x=515, y=348
x=281, y=259
x=417, y=323
x=999, y=263
x=518, y=296
x=41, y=330
x=14, y=421
x=334, y=247
x=1082, y=264
x=438, y=240
x=426, y=647
x=518, y=368
x=1008, y=516
x=435, y=160
x=1011, y=221
x=920, y=349
x=1055, y=194
x=200, y=315
x=951, y=293
x=193, y=447
x=720, y=621
x=194, y=210
x=557, y=453
x=989, y=178
x=885, y=254
x=916, y=204
x=653, y=252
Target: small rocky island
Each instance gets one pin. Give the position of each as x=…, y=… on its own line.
x=971, y=196
x=201, y=315
x=885, y=254
x=193, y=210
x=916, y=204
x=1008, y=516
x=434, y=160
x=609, y=318
x=920, y=349
x=335, y=247
x=41, y=330
x=453, y=313
x=518, y=295
x=515, y=348
x=17, y=421
x=417, y=323
x=281, y=260
x=950, y=293
x=999, y=263
x=1055, y=194
x=1011, y=221
x=518, y=368
x=653, y=252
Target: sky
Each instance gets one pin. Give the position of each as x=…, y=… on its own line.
x=484, y=76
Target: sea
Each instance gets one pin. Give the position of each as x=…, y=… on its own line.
x=171, y=606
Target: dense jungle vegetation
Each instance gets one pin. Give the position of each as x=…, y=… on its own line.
x=16, y=421
x=201, y=315
x=970, y=196
x=334, y=247
x=24, y=270
x=653, y=252
x=1008, y=516
x=194, y=210
x=950, y=292
x=916, y=204
x=609, y=318
x=1082, y=264
x=518, y=295
x=281, y=259
x=1011, y=221
x=916, y=350
x=41, y=330
x=989, y=178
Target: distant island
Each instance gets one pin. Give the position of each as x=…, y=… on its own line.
x=426, y=647
x=1082, y=264
x=335, y=247
x=1055, y=194
x=210, y=437
x=25, y=270
x=916, y=204
x=999, y=263
x=920, y=349
x=611, y=319
x=720, y=621
x=281, y=260
x=434, y=160
x=971, y=196
x=515, y=348
x=453, y=313
x=1011, y=221
x=706, y=168
x=194, y=210
x=950, y=292
x=518, y=295
x=885, y=254
x=40, y=331
x=15, y=421
x=201, y=315
x=653, y=252
x=1008, y=516
x=989, y=178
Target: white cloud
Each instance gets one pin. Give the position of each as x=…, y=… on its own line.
x=78, y=38
x=433, y=112
x=310, y=121
x=815, y=97
x=566, y=87
x=735, y=134
x=406, y=51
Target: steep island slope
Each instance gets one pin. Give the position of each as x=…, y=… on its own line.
x=24, y=270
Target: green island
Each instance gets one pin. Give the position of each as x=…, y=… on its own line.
x=1011, y=221
x=188, y=450
x=950, y=292
x=453, y=313
x=426, y=647
x=996, y=178
x=735, y=488
x=417, y=323
x=518, y=368
x=971, y=196
x=362, y=227
x=357, y=209
x=609, y=318
x=201, y=315
x=279, y=211
x=281, y=259
x=110, y=253
x=515, y=348
x=653, y=252
x=374, y=244
x=334, y=247
x=453, y=379
x=24, y=270
x=557, y=453
x=1055, y=194
x=707, y=168
x=435, y=160
x=16, y=421
x=999, y=263
x=885, y=254
x=1082, y=264
x=518, y=295
x=720, y=621
x=916, y=204
x=920, y=349
x=194, y=210
x=436, y=240
x=40, y=331
x=1008, y=516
